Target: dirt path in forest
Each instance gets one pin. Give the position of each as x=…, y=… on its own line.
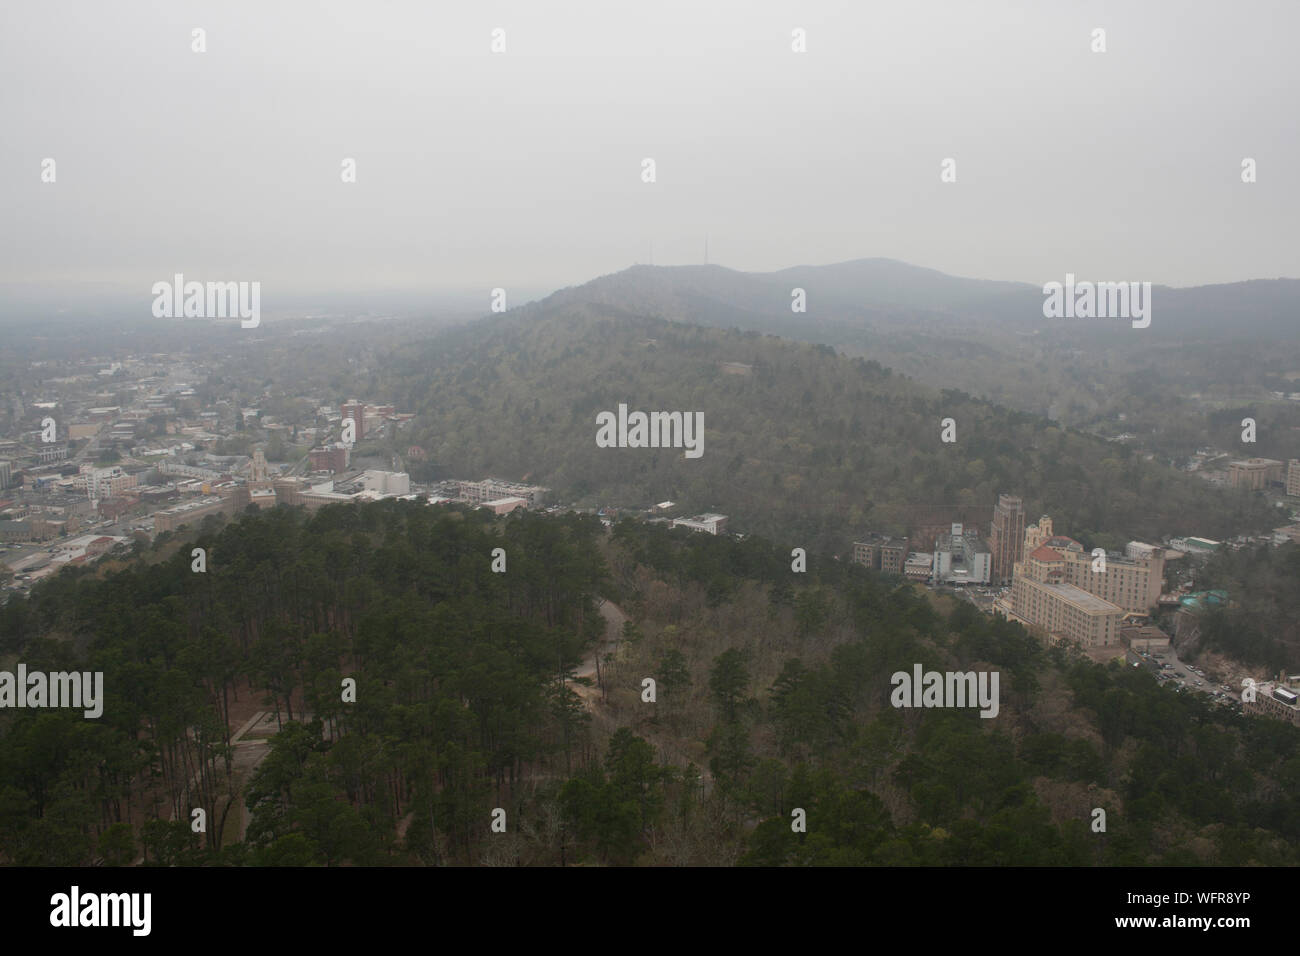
x=249, y=752
x=615, y=618
x=251, y=743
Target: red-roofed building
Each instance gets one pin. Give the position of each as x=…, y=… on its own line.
x=1044, y=553
x=1079, y=595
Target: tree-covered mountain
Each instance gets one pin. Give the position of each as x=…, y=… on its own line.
x=800, y=442
x=1208, y=349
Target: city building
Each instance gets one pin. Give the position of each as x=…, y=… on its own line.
x=1134, y=585
x=192, y=512
x=1144, y=638
x=321, y=494
x=882, y=552
x=6, y=473
x=1131, y=581
x=1293, y=477
x=1275, y=699
x=386, y=482
x=1042, y=533
x=960, y=557
x=1254, y=474
x=1194, y=545
x=710, y=523
x=257, y=467
x=15, y=530
x=1136, y=550
x=925, y=523
x=503, y=506
x=176, y=469
x=332, y=458
x=357, y=412
x=114, y=508
x=1041, y=598
x=263, y=497
x=492, y=489
x=917, y=566
x=103, y=482
x=288, y=490
x=1007, y=537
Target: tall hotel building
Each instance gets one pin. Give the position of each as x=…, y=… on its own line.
x=1041, y=597
x=1007, y=537
x=357, y=412
x=1056, y=588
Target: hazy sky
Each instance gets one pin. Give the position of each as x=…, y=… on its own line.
x=524, y=168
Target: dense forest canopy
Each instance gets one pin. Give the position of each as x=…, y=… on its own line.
x=773, y=696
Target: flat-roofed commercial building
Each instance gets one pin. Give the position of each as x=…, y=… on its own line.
x=177, y=469
x=386, y=482
x=1254, y=474
x=1041, y=597
x=917, y=566
x=491, y=489
x=1066, y=612
x=1132, y=582
x=1144, y=637
x=1273, y=699
x=104, y=482
x=709, y=523
x=960, y=557
x=1194, y=545
x=1136, y=550
x=882, y=552
x=191, y=513
x=331, y=458
x=1134, y=585
x=19, y=530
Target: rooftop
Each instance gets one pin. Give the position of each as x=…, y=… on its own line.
x=1044, y=553
x=1081, y=598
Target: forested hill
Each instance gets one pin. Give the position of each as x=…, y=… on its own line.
x=775, y=694
x=1211, y=355
x=803, y=442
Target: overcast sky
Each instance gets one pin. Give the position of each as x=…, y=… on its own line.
x=524, y=168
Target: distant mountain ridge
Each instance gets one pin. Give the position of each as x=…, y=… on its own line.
x=849, y=297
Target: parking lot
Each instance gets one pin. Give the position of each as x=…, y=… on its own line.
x=1165, y=666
